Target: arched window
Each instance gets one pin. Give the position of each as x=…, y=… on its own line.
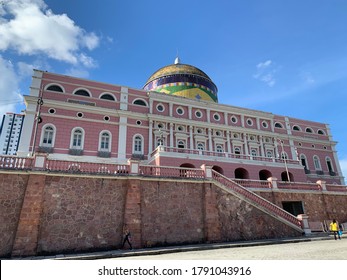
x=309, y=130
x=316, y=163
x=304, y=161
x=321, y=132
x=297, y=128
x=140, y=102
x=200, y=146
x=181, y=144
x=138, y=144
x=82, y=92
x=108, y=96
x=55, y=88
x=160, y=141
x=105, y=142
x=219, y=148
x=284, y=155
x=237, y=151
x=254, y=152
x=278, y=125
x=77, y=139
x=329, y=164
x=48, y=134
x=269, y=153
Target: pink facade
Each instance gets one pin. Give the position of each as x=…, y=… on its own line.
x=90, y=121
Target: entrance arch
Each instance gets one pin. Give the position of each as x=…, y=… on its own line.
x=284, y=176
x=241, y=173
x=218, y=169
x=264, y=174
x=187, y=165
x=185, y=172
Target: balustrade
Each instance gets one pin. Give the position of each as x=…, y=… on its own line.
x=14, y=162
x=256, y=198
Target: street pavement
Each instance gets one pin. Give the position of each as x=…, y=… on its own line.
x=313, y=247
x=314, y=250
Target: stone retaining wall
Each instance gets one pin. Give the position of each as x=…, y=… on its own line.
x=43, y=214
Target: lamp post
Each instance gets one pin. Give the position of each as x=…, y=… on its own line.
x=38, y=120
x=283, y=156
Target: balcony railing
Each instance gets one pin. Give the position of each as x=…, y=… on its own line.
x=86, y=167
x=171, y=172
x=74, y=167
x=251, y=196
x=165, y=149
x=16, y=163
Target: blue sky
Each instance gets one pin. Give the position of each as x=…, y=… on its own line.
x=286, y=57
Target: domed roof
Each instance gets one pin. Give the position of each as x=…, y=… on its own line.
x=183, y=80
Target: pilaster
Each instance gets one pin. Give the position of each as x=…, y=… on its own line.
x=26, y=239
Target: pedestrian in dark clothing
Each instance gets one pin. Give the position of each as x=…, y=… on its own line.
x=126, y=237
x=340, y=230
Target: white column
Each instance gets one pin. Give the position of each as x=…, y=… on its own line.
x=124, y=98
x=191, y=137
x=292, y=149
x=258, y=123
x=190, y=112
x=122, y=138
x=246, y=144
x=170, y=109
x=228, y=142
x=210, y=139
x=226, y=118
x=208, y=112
x=151, y=106
x=262, y=151
x=150, y=137
x=171, y=136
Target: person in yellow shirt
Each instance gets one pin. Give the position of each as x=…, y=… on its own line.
x=334, y=228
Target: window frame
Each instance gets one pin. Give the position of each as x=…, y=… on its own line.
x=72, y=140
x=138, y=142
x=102, y=141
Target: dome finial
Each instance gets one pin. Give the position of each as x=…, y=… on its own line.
x=177, y=60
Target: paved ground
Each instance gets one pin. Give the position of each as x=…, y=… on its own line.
x=314, y=250
x=314, y=247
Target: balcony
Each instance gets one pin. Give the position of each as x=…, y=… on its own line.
x=76, y=152
x=332, y=173
x=44, y=149
x=307, y=171
x=208, y=155
x=104, y=154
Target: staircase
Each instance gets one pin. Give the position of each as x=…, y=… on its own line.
x=257, y=201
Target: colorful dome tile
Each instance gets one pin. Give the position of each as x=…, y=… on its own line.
x=183, y=80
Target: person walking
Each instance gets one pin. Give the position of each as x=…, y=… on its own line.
x=340, y=230
x=334, y=228
x=126, y=237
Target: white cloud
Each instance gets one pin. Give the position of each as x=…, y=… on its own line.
x=30, y=28
x=263, y=65
x=76, y=72
x=9, y=88
x=266, y=72
x=307, y=77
